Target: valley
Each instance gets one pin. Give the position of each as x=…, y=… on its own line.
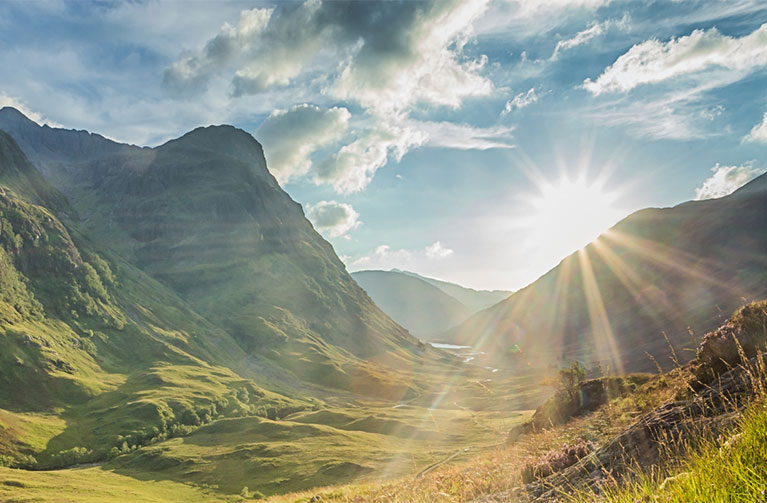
x=172, y=327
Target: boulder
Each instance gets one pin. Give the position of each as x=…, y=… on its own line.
x=721, y=349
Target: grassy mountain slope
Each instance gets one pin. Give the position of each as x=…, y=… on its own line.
x=96, y=357
x=420, y=307
x=102, y=363
x=203, y=215
x=473, y=299
x=672, y=270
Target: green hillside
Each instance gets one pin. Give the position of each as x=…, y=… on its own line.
x=95, y=356
x=209, y=333
x=203, y=215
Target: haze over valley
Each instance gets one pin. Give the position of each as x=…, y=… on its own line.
x=460, y=251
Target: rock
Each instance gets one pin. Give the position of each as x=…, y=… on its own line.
x=719, y=350
x=518, y=431
x=671, y=480
x=555, y=461
x=647, y=440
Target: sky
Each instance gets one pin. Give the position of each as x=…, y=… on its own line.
x=475, y=141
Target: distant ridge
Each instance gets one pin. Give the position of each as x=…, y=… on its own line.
x=475, y=299
x=424, y=306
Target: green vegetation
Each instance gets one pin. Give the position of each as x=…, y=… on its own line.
x=192, y=338
x=95, y=485
x=727, y=469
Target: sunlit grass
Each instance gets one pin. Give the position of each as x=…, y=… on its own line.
x=724, y=469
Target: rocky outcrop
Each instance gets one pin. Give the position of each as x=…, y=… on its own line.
x=742, y=336
x=664, y=431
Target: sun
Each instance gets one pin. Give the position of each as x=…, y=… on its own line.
x=570, y=213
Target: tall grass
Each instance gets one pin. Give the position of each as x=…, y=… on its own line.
x=725, y=467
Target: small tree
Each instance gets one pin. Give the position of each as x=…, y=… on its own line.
x=571, y=378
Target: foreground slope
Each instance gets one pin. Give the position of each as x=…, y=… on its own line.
x=669, y=271
x=203, y=215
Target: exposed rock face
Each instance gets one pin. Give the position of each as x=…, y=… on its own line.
x=744, y=334
x=556, y=461
x=644, y=443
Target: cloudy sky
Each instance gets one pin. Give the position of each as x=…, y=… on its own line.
x=477, y=141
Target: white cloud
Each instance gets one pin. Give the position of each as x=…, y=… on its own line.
x=582, y=37
x=561, y=4
x=464, y=136
x=352, y=168
x=529, y=18
x=387, y=57
x=333, y=218
x=384, y=257
x=653, y=61
x=391, y=54
x=291, y=136
x=520, y=101
x=437, y=251
x=192, y=71
x=726, y=180
x=421, y=64
x=758, y=133
x=10, y=101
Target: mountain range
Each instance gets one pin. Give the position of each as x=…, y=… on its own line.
x=425, y=306
x=171, y=312
x=147, y=291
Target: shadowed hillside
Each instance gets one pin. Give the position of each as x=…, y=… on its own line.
x=672, y=270
x=203, y=215
x=422, y=308
x=471, y=298
x=95, y=355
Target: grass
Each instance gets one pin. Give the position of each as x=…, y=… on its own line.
x=728, y=469
x=310, y=449
x=95, y=485
x=497, y=468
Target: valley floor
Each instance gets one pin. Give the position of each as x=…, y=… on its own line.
x=367, y=442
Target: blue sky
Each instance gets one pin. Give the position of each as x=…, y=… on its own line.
x=477, y=141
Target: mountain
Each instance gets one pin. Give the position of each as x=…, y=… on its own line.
x=203, y=215
x=175, y=320
x=473, y=299
x=657, y=274
x=94, y=354
x=420, y=307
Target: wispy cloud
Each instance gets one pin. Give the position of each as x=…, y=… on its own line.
x=384, y=257
x=464, y=136
x=654, y=61
x=521, y=100
x=592, y=32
